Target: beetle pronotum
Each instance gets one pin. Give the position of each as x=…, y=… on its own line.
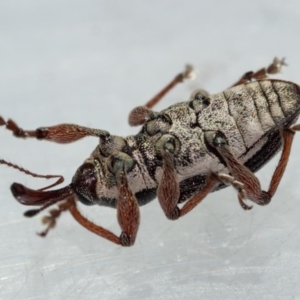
x=180, y=155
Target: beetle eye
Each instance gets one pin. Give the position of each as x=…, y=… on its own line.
x=84, y=184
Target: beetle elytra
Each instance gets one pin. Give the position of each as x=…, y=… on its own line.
x=180, y=155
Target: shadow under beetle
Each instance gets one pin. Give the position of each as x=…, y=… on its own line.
x=180, y=155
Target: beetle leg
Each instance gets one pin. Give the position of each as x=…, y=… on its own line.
x=90, y=225
x=62, y=133
x=245, y=176
x=242, y=196
x=128, y=215
x=189, y=73
x=141, y=114
x=212, y=181
x=168, y=189
x=288, y=136
x=274, y=68
x=50, y=221
x=128, y=211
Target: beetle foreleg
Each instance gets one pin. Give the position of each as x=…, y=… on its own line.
x=90, y=225
x=62, y=133
x=274, y=68
x=128, y=215
x=50, y=221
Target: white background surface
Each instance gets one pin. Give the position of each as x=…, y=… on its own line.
x=90, y=63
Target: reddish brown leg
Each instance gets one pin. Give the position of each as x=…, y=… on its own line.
x=91, y=226
x=242, y=196
x=50, y=221
x=128, y=215
x=212, y=181
x=274, y=68
x=288, y=136
x=168, y=190
x=62, y=133
x=250, y=183
x=141, y=114
x=189, y=73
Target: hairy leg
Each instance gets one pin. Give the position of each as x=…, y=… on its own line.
x=242, y=174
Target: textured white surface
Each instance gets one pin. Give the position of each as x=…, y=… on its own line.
x=90, y=63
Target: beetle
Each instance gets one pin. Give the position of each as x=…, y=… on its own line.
x=180, y=155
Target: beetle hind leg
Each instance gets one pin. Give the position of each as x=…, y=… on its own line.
x=251, y=184
x=50, y=220
x=242, y=195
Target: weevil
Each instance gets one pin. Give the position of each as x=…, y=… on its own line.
x=180, y=155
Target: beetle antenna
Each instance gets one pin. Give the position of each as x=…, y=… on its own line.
x=27, y=172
